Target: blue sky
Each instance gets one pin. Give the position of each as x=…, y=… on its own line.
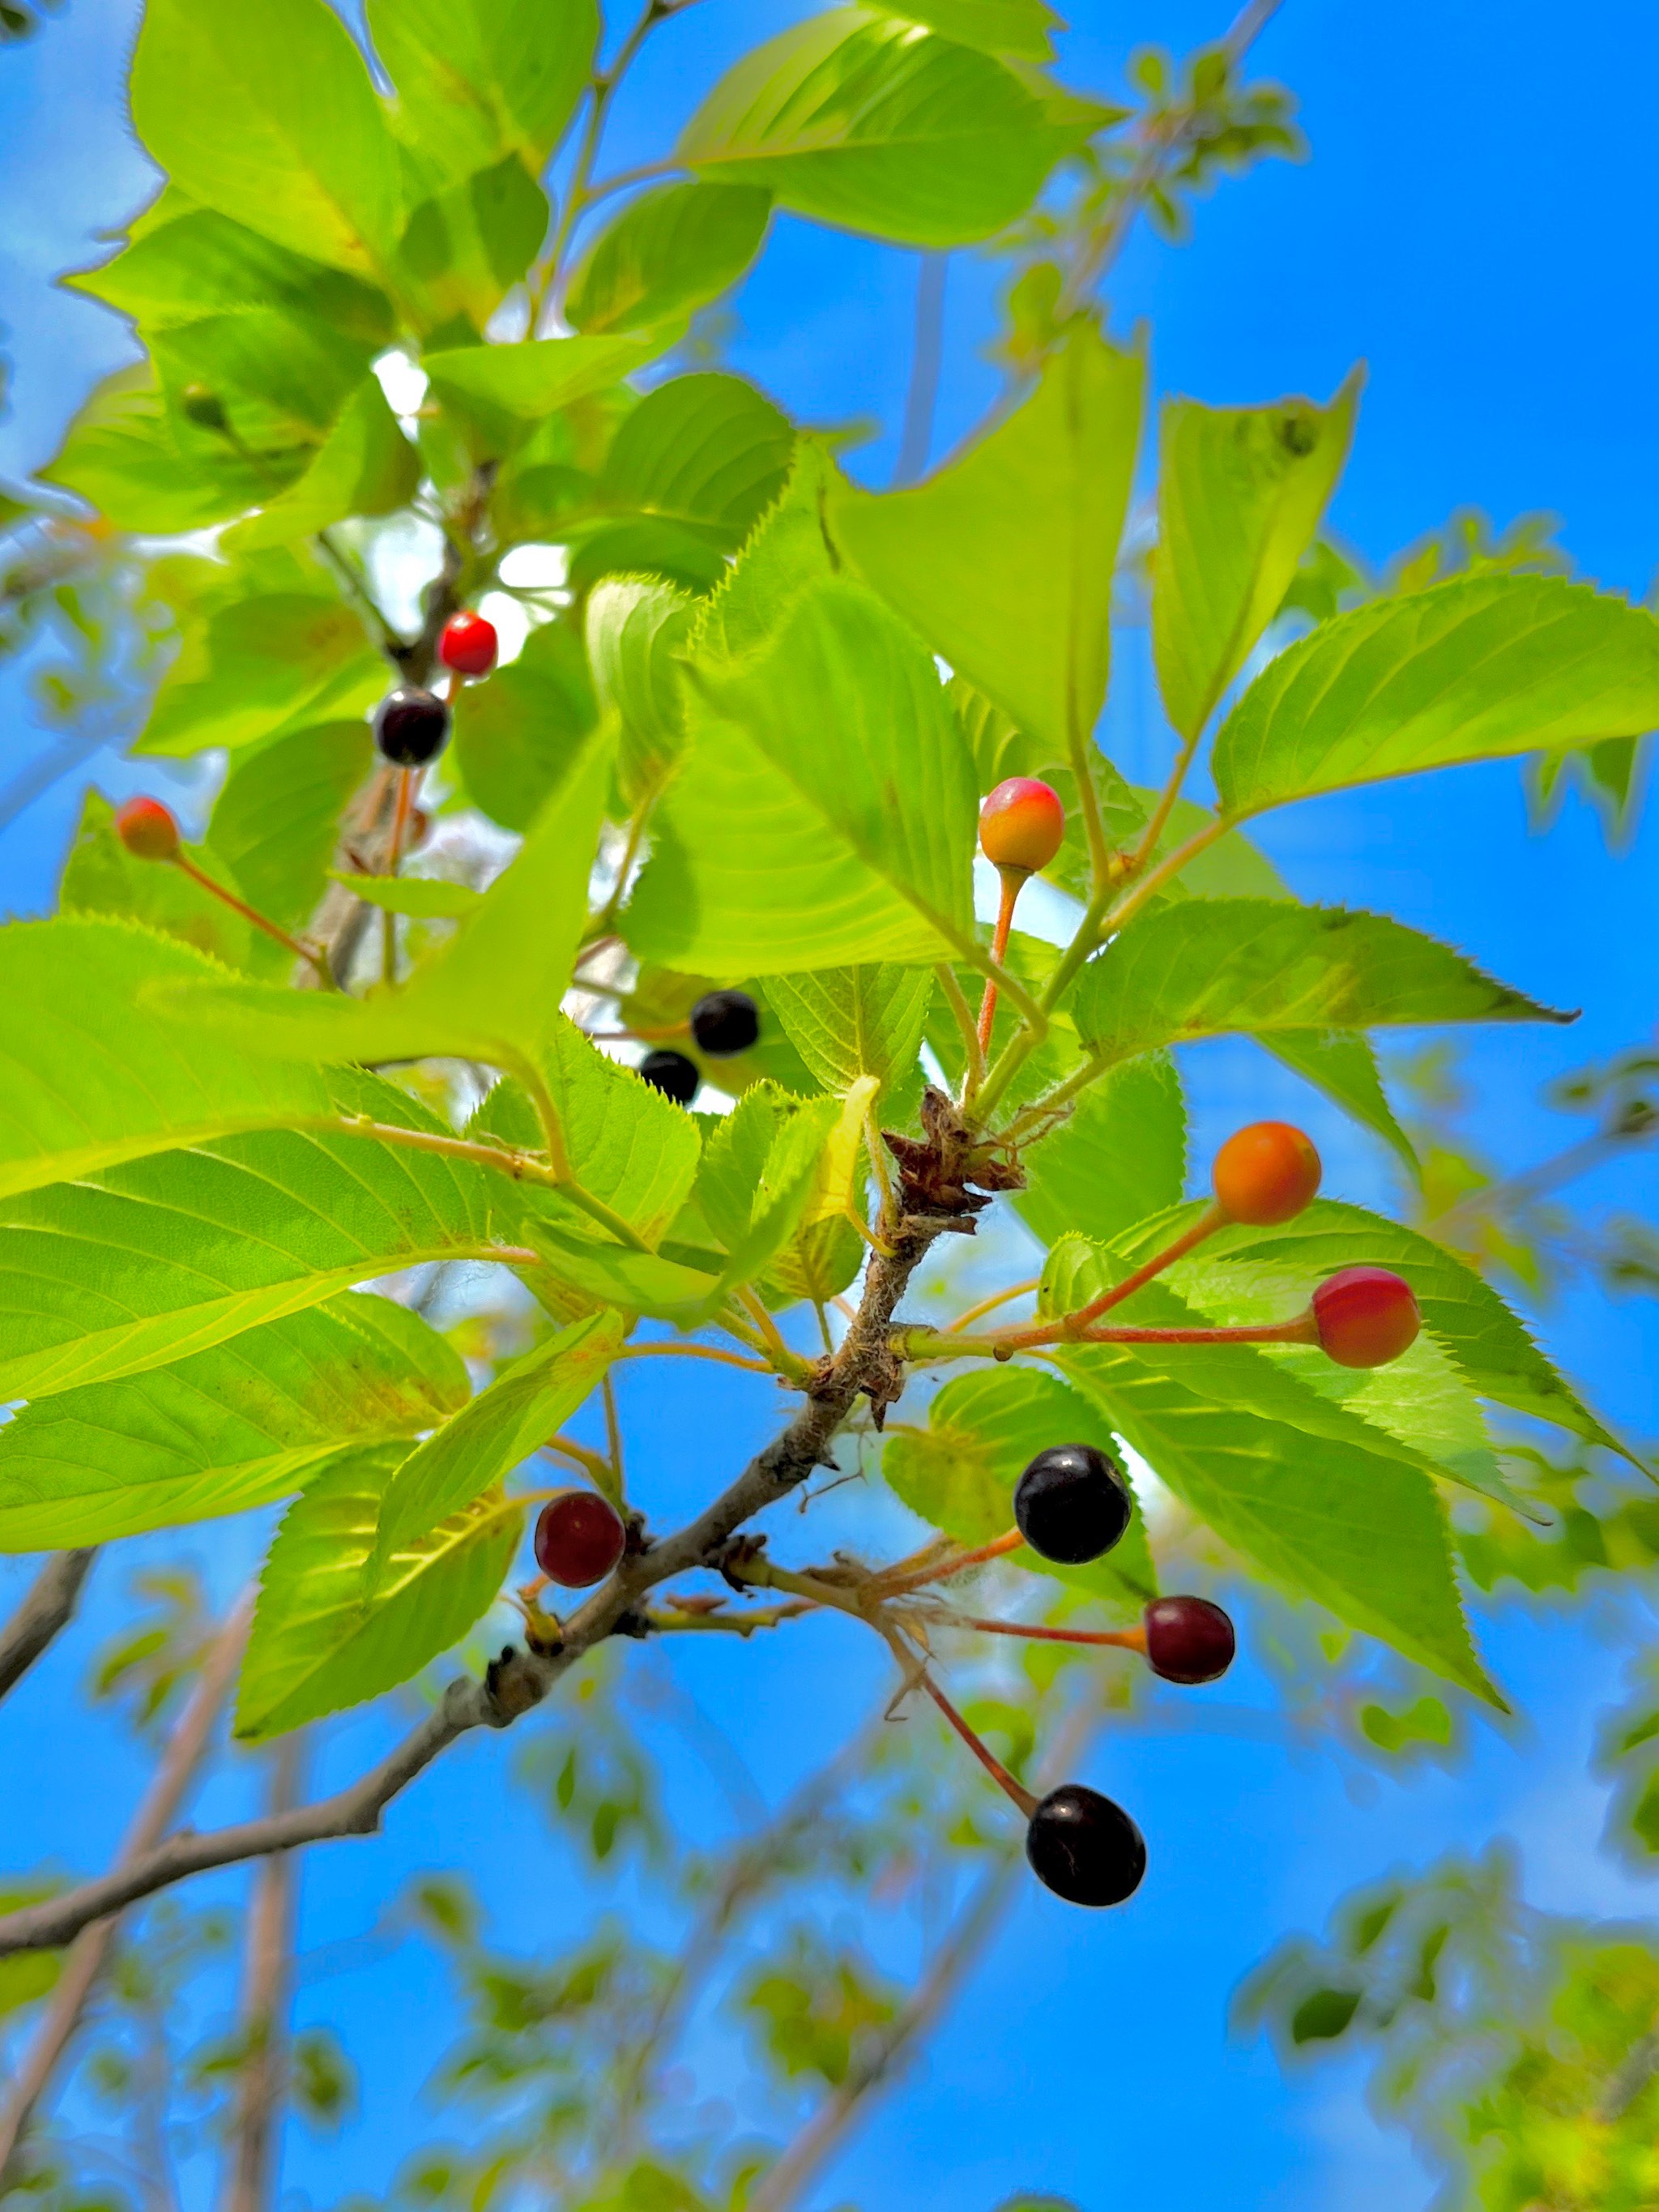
x=1474, y=224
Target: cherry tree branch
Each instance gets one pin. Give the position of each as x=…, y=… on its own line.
x=43, y=1615
x=519, y=1679
x=267, y=1994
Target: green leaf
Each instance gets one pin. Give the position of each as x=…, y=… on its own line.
x=101, y=877
x=260, y=666
x=823, y=813
x=164, y=1257
x=1491, y=1347
x=518, y=734
x=1285, y=1478
x=492, y=992
x=635, y=631
x=1343, y=1065
x=983, y=1430
x=1122, y=1153
x=222, y=1430
x=464, y=248
x=1004, y=560
x=364, y=466
x=125, y=456
x=276, y=820
x=1211, y=967
x=478, y=1447
x=1241, y=491
x=267, y=114
x=85, y=1082
x=850, y=1022
x=428, y=898
x=499, y=392
x=706, y=451
x=1470, y=669
x=670, y=250
x=478, y=79
x=857, y=119
x=824, y=1251
x=785, y=555
x=1024, y=29
x=329, y=1630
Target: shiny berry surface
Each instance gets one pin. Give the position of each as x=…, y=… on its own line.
x=672, y=1073
x=1021, y=824
x=411, y=726
x=1189, y=1639
x=1085, y=1848
x=1072, y=1503
x=724, y=1023
x=469, y=644
x=578, y=1539
x=1266, y=1174
x=148, y=829
x=1365, y=1316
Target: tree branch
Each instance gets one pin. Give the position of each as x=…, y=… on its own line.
x=520, y=1681
x=44, y=1615
x=95, y=1932
x=267, y=1994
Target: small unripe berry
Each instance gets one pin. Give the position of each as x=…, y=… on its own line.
x=411, y=726
x=1085, y=1848
x=724, y=1023
x=1021, y=824
x=1072, y=1503
x=1188, y=1639
x=1365, y=1316
x=148, y=829
x=579, y=1538
x=469, y=644
x=204, y=407
x=672, y=1073
x=1266, y=1174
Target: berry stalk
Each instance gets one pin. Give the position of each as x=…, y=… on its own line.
x=313, y=960
x=1013, y=880
x=987, y=1758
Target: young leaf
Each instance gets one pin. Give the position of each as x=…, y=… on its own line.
x=785, y=555
x=628, y=1144
x=670, y=250
x=1122, y=1152
x=983, y=1430
x=826, y=1250
x=262, y=665
x=364, y=466
x=223, y=1430
x=1468, y=670
x=85, y=1082
x=857, y=119
x=1024, y=29
x=479, y=79
x=823, y=812
x=516, y=735
x=1241, y=491
x=164, y=1257
x=428, y=898
x=276, y=821
x=635, y=631
x=850, y=1022
x=328, y=1632
x=1004, y=559
x=267, y=113
x=467, y=245
x=481, y=1444
x=706, y=451
x=498, y=392
x=1211, y=967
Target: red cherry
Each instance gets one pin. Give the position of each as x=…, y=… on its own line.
x=148, y=829
x=1021, y=824
x=1188, y=1639
x=1365, y=1316
x=579, y=1538
x=1266, y=1174
x=469, y=644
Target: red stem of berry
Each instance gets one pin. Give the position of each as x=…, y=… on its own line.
x=955, y=1563
x=987, y=1758
x=1208, y=1222
x=1130, y=1639
x=1012, y=881
x=259, y=921
x=399, y=818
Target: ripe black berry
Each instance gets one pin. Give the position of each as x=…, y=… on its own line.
x=1072, y=1503
x=579, y=1538
x=411, y=726
x=1189, y=1639
x=725, y=1021
x=672, y=1073
x=1085, y=1848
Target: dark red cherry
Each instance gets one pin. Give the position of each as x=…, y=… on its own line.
x=411, y=726
x=672, y=1073
x=1072, y=1503
x=1189, y=1639
x=1085, y=1848
x=724, y=1023
x=579, y=1538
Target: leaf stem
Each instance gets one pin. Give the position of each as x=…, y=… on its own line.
x=694, y=1352
x=957, y=998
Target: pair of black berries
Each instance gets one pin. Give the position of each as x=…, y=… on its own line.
x=723, y=1024
x=1072, y=1505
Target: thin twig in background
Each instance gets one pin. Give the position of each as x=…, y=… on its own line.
x=267, y=1994
x=43, y=1615
x=926, y=362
